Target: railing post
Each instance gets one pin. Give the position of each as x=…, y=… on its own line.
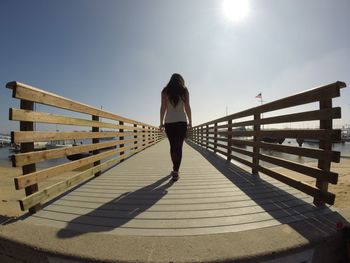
x=121, y=138
x=135, y=137
x=202, y=136
x=29, y=147
x=207, y=136
x=196, y=135
x=143, y=136
x=256, y=139
x=229, y=137
x=155, y=135
x=152, y=135
x=215, y=136
x=158, y=135
x=96, y=140
x=326, y=145
x=148, y=135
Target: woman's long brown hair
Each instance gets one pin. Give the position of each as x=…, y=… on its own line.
x=175, y=89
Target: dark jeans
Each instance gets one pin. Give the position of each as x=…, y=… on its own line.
x=176, y=133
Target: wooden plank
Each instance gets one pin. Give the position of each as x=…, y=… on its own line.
x=42, y=117
x=306, y=188
x=232, y=157
x=222, y=139
x=241, y=151
x=334, y=113
x=26, y=92
x=247, y=197
x=29, y=147
x=35, y=177
x=235, y=149
x=245, y=162
x=233, y=133
x=220, y=151
x=39, y=156
x=243, y=142
x=300, y=151
x=28, y=136
x=223, y=126
x=327, y=91
x=306, y=170
x=61, y=187
x=325, y=114
x=303, y=134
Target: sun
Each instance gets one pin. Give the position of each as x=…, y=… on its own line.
x=235, y=10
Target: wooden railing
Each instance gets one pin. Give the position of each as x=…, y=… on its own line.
x=124, y=138
x=233, y=135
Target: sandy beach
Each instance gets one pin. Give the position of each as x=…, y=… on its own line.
x=9, y=206
x=9, y=196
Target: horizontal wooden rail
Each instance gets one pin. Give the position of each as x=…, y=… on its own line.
x=302, y=186
x=39, y=156
x=303, y=169
x=305, y=152
x=29, y=93
x=303, y=134
x=334, y=113
x=229, y=136
x=314, y=95
x=42, y=117
x=125, y=138
x=39, y=176
x=31, y=136
x=318, y=154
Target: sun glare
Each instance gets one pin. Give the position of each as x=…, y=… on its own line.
x=235, y=10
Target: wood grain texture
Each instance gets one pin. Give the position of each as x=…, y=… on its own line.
x=42, y=117
x=39, y=156
x=40, y=136
x=27, y=92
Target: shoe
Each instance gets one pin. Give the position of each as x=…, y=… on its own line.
x=175, y=176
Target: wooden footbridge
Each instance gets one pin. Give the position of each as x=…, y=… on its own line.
x=123, y=187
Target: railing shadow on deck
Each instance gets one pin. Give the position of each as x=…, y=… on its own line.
x=118, y=211
x=319, y=222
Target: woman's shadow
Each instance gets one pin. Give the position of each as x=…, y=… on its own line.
x=118, y=211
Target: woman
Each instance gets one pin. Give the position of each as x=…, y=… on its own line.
x=175, y=106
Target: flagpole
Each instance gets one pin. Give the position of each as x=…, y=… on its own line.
x=259, y=96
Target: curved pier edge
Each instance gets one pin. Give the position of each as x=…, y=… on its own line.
x=311, y=240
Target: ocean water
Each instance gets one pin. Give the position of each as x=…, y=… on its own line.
x=6, y=153
x=343, y=148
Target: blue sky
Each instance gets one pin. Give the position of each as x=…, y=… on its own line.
x=120, y=54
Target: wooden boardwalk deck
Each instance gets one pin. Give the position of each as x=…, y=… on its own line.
x=212, y=196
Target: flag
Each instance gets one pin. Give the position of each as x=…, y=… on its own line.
x=259, y=96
